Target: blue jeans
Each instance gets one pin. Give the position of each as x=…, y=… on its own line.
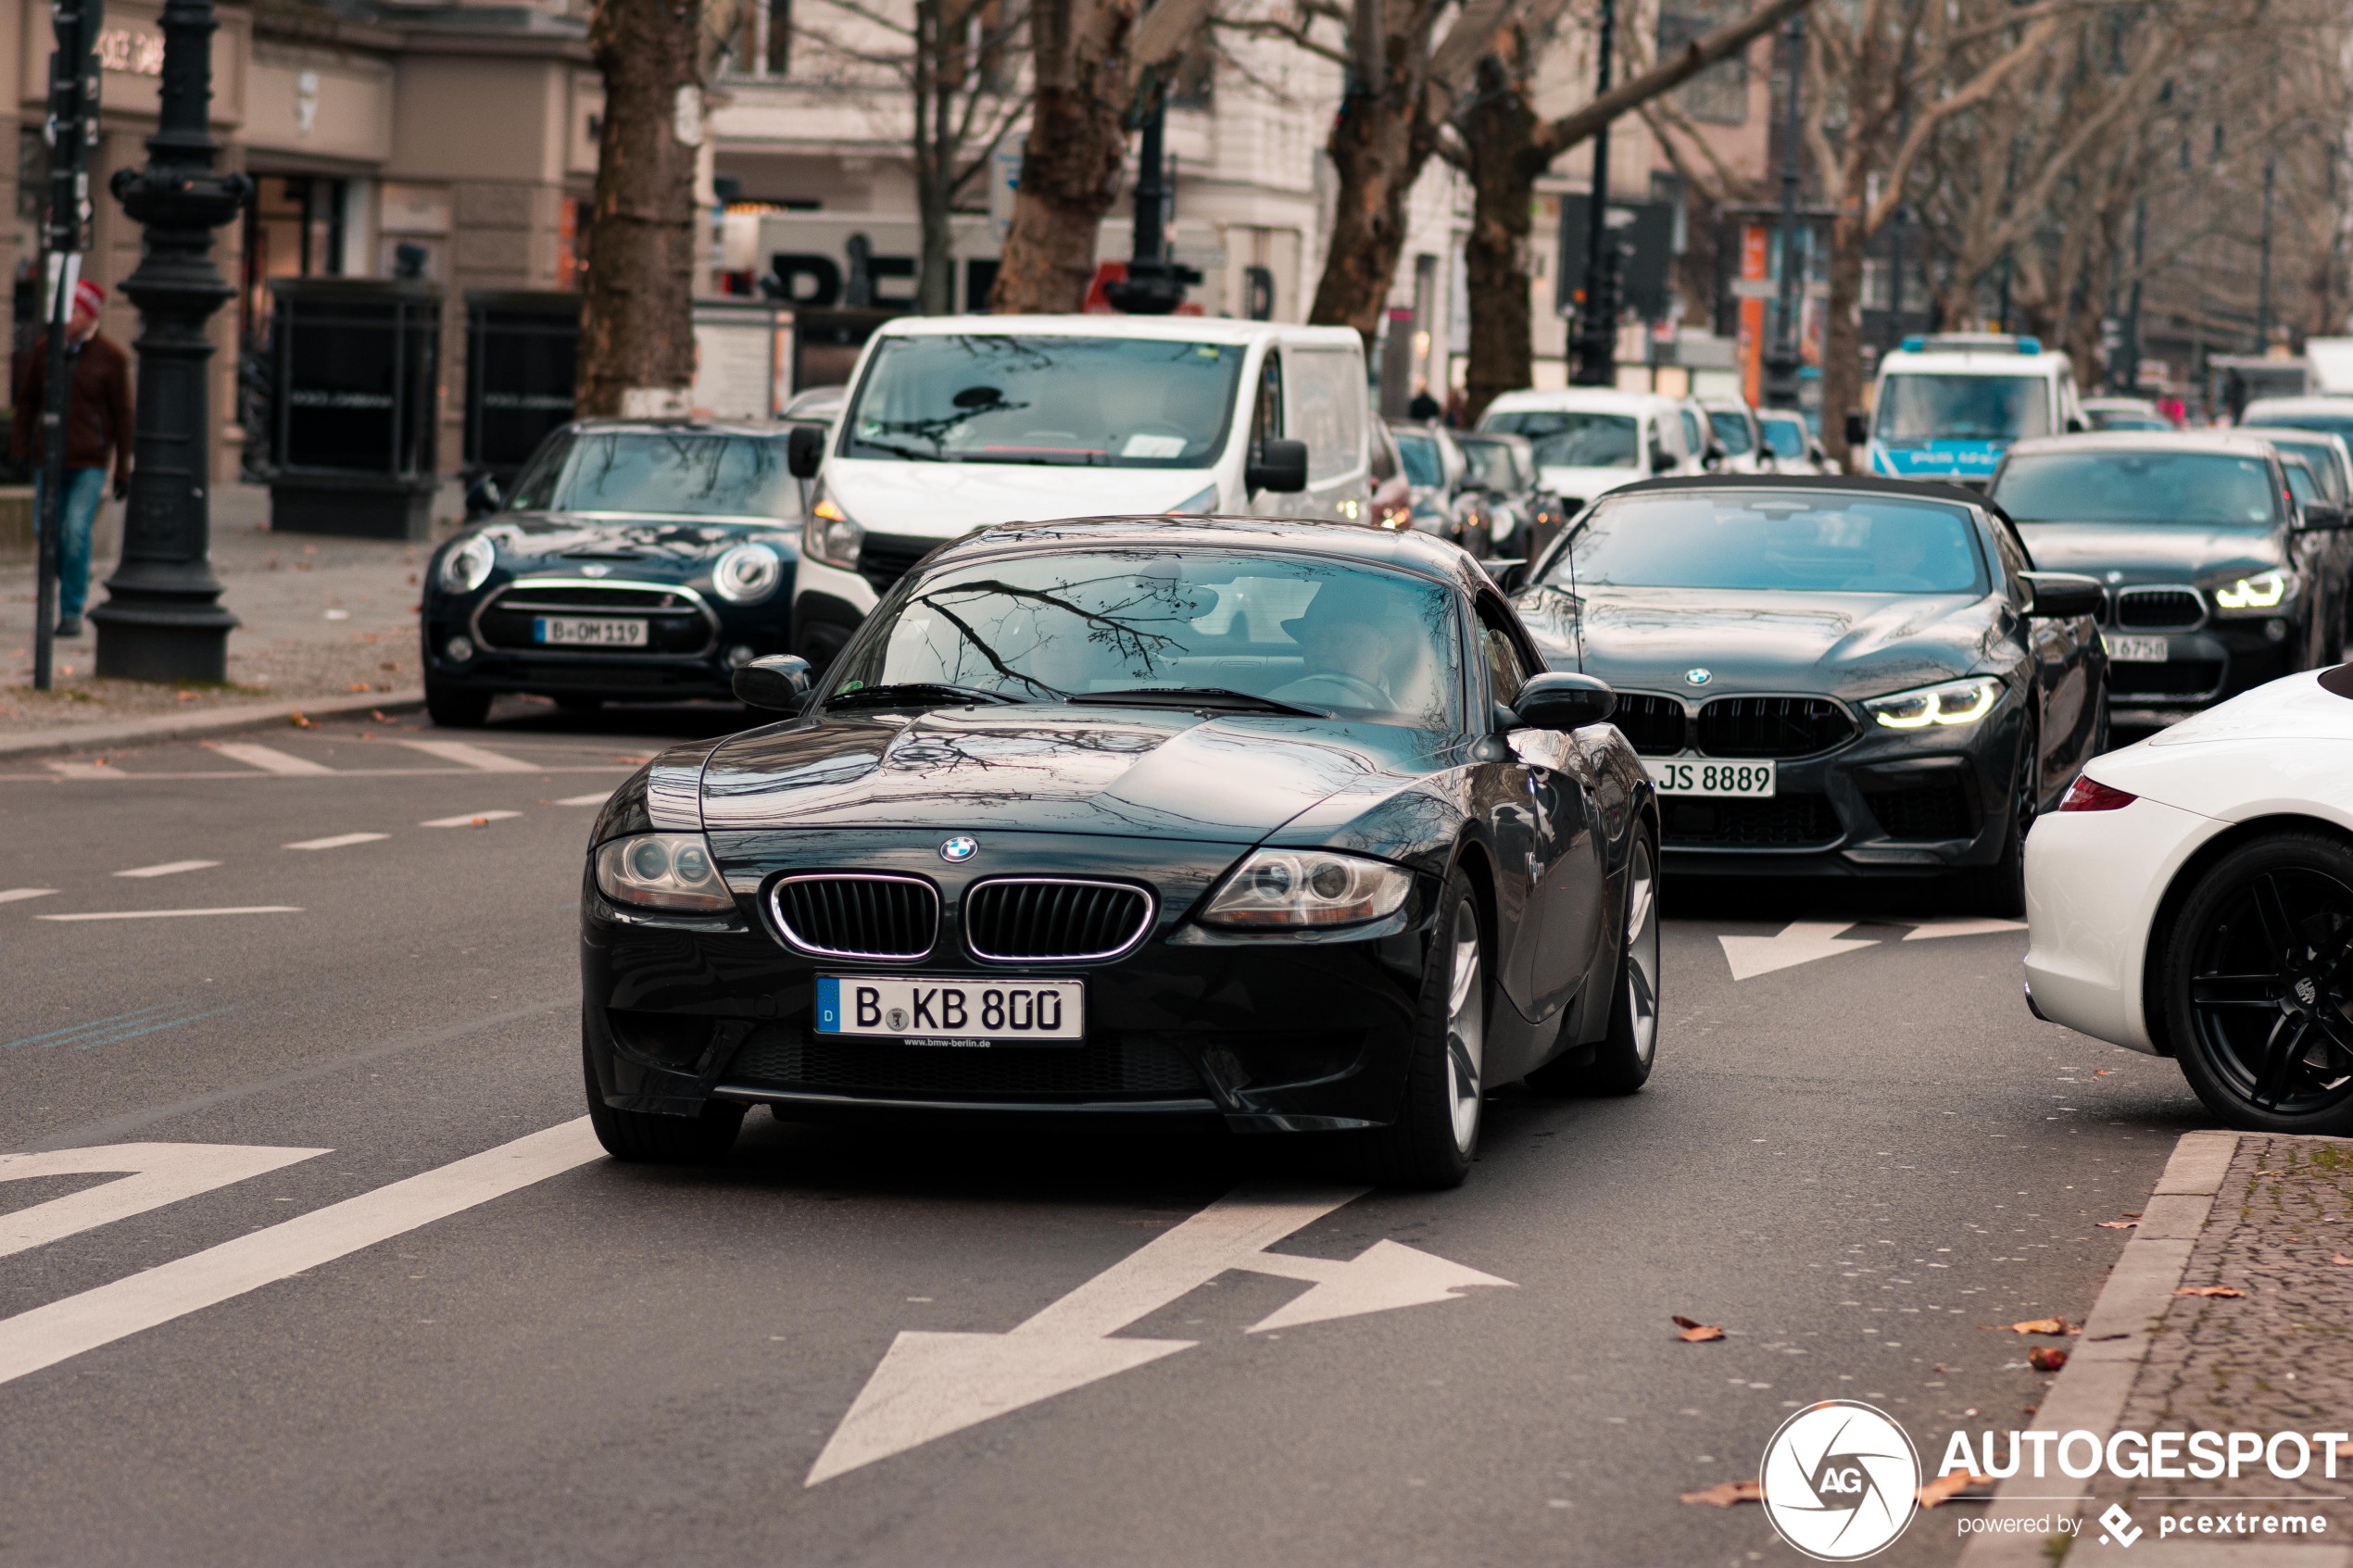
x=84, y=489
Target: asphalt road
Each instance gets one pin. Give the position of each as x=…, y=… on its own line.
x=1852, y=1163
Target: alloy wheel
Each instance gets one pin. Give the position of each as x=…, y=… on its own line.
x=1465, y=1030
x=2271, y=980
x=1642, y=949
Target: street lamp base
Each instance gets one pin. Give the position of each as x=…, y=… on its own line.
x=162, y=642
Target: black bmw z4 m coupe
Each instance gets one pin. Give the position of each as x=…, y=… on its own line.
x=1277, y=826
x=1831, y=676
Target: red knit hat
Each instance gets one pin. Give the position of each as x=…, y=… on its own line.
x=88, y=297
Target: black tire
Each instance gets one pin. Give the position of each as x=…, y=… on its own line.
x=455, y=707
x=646, y=1138
x=1620, y=1063
x=578, y=702
x=1436, y=1134
x=2257, y=970
x=2000, y=889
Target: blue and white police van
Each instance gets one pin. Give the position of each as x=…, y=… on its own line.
x=1947, y=407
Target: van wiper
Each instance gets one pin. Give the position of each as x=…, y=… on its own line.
x=898, y=692
x=1197, y=696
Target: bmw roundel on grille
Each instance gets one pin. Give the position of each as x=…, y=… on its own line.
x=958, y=848
x=1698, y=677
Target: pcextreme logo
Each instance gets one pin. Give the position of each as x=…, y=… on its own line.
x=1841, y=1480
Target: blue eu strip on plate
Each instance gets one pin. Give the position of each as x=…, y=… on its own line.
x=828, y=1007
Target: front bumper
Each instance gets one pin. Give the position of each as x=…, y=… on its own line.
x=1260, y=1034
x=734, y=634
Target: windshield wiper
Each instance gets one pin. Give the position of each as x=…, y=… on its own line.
x=919, y=691
x=896, y=450
x=1197, y=696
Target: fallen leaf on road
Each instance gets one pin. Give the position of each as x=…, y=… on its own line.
x=2208, y=1290
x=357, y=686
x=479, y=822
x=2044, y=1325
x=1695, y=1331
x=2118, y=1224
x=297, y=720
x=2046, y=1357
x=1946, y=1486
x=378, y=715
x=2102, y=1071
x=2342, y=1262
x=1724, y=1494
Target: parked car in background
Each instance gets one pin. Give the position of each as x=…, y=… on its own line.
x=1698, y=437
x=1734, y=426
x=1391, y=504
x=2123, y=413
x=1791, y=442
x=2332, y=465
x=2334, y=415
x=2217, y=578
x=641, y=559
x=1590, y=440
x=1499, y=482
x=1434, y=468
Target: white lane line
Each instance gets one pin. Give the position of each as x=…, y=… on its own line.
x=596, y=799
x=14, y=894
x=175, y=914
x=152, y=1175
x=1959, y=926
x=472, y=755
x=269, y=759
x=170, y=868
x=339, y=841
x=61, y=1330
x=468, y=819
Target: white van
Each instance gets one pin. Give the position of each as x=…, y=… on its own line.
x=1589, y=440
x=1948, y=407
x=954, y=422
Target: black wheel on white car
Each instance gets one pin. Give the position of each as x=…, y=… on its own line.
x=2257, y=977
x=1436, y=1133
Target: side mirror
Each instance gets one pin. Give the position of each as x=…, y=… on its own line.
x=1662, y=461
x=1858, y=428
x=482, y=499
x=1280, y=465
x=2064, y=595
x=1509, y=575
x=805, y=451
x=780, y=682
x=2077, y=424
x=2319, y=517
x=1565, y=701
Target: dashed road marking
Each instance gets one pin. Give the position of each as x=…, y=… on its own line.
x=14, y=894
x=596, y=799
x=472, y=755
x=173, y=914
x=152, y=1175
x=339, y=841
x=269, y=759
x=170, y=868
x=468, y=819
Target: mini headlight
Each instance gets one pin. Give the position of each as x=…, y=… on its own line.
x=468, y=564
x=747, y=573
x=1954, y=702
x=661, y=870
x=830, y=535
x=1307, y=887
x=2264, y=590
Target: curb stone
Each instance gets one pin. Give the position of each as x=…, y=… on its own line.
x=174, y=726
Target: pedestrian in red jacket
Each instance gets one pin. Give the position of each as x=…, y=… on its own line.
x=97, y=436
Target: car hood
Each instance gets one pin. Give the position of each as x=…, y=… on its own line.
x=1583, y=484
x=2122, y=552
x=1122, y=772
x=629, y=547
x=1841, y=644
x=943, y=500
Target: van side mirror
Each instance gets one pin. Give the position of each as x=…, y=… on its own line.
x=2320, y=516
x=780, y=682
x=805, y=451
x=1280, y=464
x=1662, y=461
x=1858, y=428
x=1564, y=700
x=482, y=499
x=2063, y=595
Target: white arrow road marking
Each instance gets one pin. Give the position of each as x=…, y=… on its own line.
x=931, y=1385
x=467, y=754
x=269, y=759
x=1799, y=941
x=61, y=1330
x=1959, y=926
x=155, y=1174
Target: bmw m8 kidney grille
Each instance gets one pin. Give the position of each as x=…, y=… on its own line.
x=853, y=916
x=1035, y=918
x=1655, y=726
x=1772, y=726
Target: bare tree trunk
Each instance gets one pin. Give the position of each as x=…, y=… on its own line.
x=1499, y=132
x=1842, y=333
x=637, y=320
x=1379, y=148
x=933, y=77
x=1071, y=163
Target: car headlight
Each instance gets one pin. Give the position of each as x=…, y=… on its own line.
x=2263, y=590
x=661, y=870
x=747, y=573
x=1954, y=702
x=468, y=564
x=1200, y=504
x=1307, y=887
x=830, y=535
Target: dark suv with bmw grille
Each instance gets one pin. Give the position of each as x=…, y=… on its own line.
x=1830, y=676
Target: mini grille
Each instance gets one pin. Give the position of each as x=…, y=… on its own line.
x=863, y=917
x=609, y=596
x=2174, y=678
x=1655, y=726
x=1783, y=821
x=884, y=559
x=1934, y=811
x=2174, y=608
x=782, y=1056
x=1054, y=920
x=673, y=623
x=1772, y=726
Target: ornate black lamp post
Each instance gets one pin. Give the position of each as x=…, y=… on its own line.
x=162, y=620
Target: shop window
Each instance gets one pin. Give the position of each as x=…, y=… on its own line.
x=294, y=228
x=762, y=45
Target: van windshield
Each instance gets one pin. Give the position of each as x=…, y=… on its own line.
x=1571, y=438
x=1095, y=402
x=1915, y=406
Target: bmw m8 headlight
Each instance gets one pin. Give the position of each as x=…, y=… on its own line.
x=830, y=535
x=468, y=564
x=662, y=870
x=1954, y=702
x=747, y=573
x=1307, y=887
x=2259, y=590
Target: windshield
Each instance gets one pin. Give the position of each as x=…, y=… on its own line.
x=1353, y=642
x=677, y=474
x=1786, y=438
x=1099, y=402
x=1572, y=439
x=1951, y=407
x=1420, y=452
x=1491, y=467
x=2321, y=457
x=1732, y=430
x=2327, y=424
x=2201, y=489
x=1773, y=539
x=2125, y=418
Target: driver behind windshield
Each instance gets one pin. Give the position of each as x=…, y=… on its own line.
x=1359, y=644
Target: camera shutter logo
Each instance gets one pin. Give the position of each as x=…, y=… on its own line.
x=1841, y=1480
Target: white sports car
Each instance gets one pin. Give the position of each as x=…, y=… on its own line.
x=2192, y=898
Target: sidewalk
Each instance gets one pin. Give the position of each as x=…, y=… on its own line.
x=321, y=616
x=2268, y=1220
